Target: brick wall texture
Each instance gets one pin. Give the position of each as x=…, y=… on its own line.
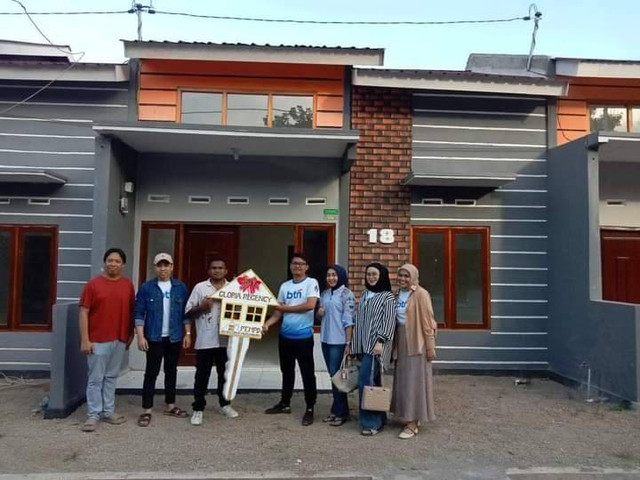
x=377, y=199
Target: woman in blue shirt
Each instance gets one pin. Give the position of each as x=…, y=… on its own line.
x=336, y=308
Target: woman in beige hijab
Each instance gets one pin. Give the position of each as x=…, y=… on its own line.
x=415, y=348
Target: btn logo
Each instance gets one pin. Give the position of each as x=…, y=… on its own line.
x=294, y=295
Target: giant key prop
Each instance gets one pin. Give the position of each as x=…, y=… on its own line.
x=243, y=311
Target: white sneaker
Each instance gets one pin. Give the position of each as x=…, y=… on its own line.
x=196, y=419
x=229, y=412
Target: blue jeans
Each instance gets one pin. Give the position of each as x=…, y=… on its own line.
x=104, y=367
x=333, y=358
x=369, y=418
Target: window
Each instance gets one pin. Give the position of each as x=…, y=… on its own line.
x=249, y=110
x=254, y=313
x=617, y=118
x=232, y=311
x=454, y=267
x=28, y=276
x=203, y=108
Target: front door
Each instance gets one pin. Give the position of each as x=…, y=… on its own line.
x=202, y=243
x=620, y=265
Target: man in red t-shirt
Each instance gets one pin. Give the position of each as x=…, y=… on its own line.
x=106, y=330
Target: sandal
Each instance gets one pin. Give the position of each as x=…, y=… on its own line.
x=329, y=418
x=176, y=412
x=144, y=420
x=338, y=421
x=408, y=432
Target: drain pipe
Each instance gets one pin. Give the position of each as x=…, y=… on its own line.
x=586, y=365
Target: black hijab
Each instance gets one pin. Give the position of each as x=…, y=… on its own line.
x=384, y=284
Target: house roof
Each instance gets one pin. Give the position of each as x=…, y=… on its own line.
x=244, y=52
x=13, y=49
x=455, y=80
x=598, y=68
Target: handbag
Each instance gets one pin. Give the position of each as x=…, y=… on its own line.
x=376, y=398
x=346, y=378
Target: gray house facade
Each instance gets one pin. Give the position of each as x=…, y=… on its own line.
x=48, y=106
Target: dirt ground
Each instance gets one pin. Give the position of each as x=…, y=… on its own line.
x=485, y=425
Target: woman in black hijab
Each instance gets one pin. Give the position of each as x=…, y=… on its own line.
x=373, y=337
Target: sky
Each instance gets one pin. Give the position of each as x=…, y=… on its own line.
x=569, y=28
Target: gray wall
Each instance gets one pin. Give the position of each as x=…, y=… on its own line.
x=53, y=132
x=582, y=327
x=619, y=181
x=467, y=134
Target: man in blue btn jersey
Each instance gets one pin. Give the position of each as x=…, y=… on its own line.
x=297, y=298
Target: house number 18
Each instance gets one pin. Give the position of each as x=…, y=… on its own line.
x=384, y=235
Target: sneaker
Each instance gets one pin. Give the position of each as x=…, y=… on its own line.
x=196, y=418
x=307, y=418
x=278, y=408
x=115, y=419
x=90, y=425
x=229, y=412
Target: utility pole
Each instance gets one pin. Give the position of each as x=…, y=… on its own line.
x=138, y=9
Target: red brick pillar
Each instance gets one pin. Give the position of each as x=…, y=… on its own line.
x=383, y=159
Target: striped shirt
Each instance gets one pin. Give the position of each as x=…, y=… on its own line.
x=375, y=321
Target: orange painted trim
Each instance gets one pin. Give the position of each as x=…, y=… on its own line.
x=158, y=97
x=173, y=82
x=596, y=94
x=601, y=82
x=573, y=122
x=572, y=107
x=245, y=69
x=565, y=136
x=157, y=113
x=329, y=119
x=330, y=103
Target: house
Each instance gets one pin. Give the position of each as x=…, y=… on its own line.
x=48, y=104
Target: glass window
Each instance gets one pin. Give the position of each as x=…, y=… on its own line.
x=247, y=110
x=431, y=265
x=5, y=276
x=469, y=268
x=35, y=297
x=292, y=111
x=202, y=107
x=27, y=276
x=609, y=118
x=453, y=268
x=315, y=245
x=635, y=119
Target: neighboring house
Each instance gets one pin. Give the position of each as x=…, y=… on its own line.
x=594, y=218
x=47, y=188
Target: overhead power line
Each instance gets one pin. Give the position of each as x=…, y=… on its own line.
x=289, y=20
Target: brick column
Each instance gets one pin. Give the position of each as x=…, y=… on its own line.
x=383, y=159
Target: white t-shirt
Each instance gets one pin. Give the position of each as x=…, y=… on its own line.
x=401, y=310
x=207, y=323
x=298, y=325
x=166, y=305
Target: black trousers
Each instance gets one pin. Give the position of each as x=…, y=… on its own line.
x=205, y=359
x=300, y=350
x=158, y=351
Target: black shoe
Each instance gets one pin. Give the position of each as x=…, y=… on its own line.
x=307, y=418
x=278, y=408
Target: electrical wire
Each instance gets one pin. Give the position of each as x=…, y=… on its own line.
x=56, y=78
x=289, y=20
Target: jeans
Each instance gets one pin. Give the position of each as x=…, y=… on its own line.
x=205, y=358
x=369, y=418
x=333, y=355
x=170, y=352
x=301, y=350
x=104, y=367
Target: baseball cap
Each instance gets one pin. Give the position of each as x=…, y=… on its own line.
x=162, y=257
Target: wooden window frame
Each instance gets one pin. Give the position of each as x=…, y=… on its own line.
x=450, y=306
x=16, y=253
x=224, y=104
x=627, y=106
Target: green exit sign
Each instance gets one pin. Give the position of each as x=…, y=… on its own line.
x=331, y=211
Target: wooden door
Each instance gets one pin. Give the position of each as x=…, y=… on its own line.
x=620, y=265
x=202, y=243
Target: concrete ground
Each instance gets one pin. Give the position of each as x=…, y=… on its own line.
x=487, y=427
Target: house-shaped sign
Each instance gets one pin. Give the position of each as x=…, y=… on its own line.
x=244, y=306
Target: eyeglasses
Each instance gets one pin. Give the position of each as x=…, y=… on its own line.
x=298, y=264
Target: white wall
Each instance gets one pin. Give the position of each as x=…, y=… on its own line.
x=620, y=181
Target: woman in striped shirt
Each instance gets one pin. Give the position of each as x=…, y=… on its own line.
x=373, y=338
